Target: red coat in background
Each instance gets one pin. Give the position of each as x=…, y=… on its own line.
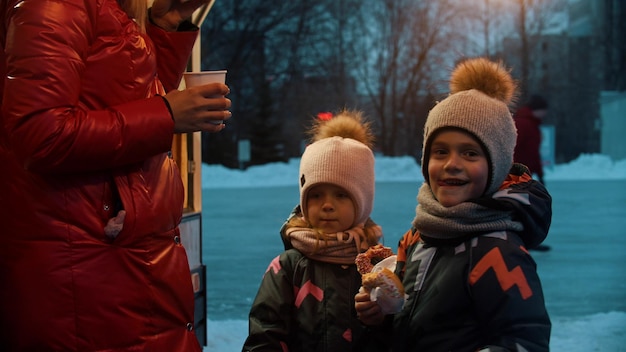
x=82, y=134
x=528, y=141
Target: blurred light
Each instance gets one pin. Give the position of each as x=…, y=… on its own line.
x=325, y=116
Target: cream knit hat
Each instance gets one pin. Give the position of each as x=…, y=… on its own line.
x=341, y=155
x=480, y=91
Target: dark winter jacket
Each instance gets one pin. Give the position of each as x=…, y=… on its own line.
x=306, y=305
x=527, y=149
x=479, y=291
x=83, y=135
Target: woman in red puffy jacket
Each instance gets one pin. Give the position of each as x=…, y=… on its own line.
x=528, y=121
x=85, y=130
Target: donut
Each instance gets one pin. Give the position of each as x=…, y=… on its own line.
x=364, y=260
x=379, y=280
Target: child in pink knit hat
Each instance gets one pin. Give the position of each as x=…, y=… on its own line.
x=306, y=299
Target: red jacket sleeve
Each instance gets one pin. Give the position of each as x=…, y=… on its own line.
x=173, y=53
x=49, y=124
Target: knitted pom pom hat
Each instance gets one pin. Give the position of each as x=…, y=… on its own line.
x=480, y=92
x=341, y=155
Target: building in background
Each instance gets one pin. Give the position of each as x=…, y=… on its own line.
x=572, y=63
x=288, y=61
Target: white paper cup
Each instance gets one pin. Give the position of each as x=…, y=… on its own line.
x=193, y=79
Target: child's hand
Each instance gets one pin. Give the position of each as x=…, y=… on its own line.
x=367, y=311
x=115, y=225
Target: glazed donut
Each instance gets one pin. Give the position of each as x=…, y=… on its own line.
x=363, y=260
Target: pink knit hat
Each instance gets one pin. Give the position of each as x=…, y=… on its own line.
x=342, y=161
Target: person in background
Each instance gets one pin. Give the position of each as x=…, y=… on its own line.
x=472, y=284
x=91, y=200
x=305, y=301
x=527, y=121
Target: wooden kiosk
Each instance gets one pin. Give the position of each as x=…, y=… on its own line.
x=187, y=151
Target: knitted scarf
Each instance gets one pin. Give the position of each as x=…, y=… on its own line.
x=336, y=248
x=459, y=221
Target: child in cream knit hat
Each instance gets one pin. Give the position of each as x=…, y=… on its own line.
x=306, y=298
x=472, y=284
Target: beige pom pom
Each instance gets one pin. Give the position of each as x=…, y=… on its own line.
x=491, y=78
x=347, y=124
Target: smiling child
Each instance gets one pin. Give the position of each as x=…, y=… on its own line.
x=472, y=284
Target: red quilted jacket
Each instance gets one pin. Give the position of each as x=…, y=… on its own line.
x=527, y=148
x=82, y=134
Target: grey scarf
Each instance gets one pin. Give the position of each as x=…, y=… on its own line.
x=446, y=223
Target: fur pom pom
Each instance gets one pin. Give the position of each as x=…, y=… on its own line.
x=484, y=75
x=347, y=124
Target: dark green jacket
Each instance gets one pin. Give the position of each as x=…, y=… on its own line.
x=307, y=305
x=480, y=292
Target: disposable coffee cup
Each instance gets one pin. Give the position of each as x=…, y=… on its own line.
x=193, y=79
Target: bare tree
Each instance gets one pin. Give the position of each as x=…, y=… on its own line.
x=409, y=48
x=260, y=42
x=524, y=25
x=390, y=58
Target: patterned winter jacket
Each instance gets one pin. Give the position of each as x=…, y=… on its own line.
x=481, y=292
x=307, y=305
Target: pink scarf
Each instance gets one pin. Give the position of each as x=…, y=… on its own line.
x=336, y=248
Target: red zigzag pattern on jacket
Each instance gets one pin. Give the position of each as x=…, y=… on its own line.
x=506, y=278
x=305, y=290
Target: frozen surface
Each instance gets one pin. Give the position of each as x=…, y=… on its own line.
x=583, y=275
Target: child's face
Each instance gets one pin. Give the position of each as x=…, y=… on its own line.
x=330, y=208
x=457, y=168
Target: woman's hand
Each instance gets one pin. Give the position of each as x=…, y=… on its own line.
x=115, y=225
x=368, y=311
x=198, y=108
x=169, y=14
